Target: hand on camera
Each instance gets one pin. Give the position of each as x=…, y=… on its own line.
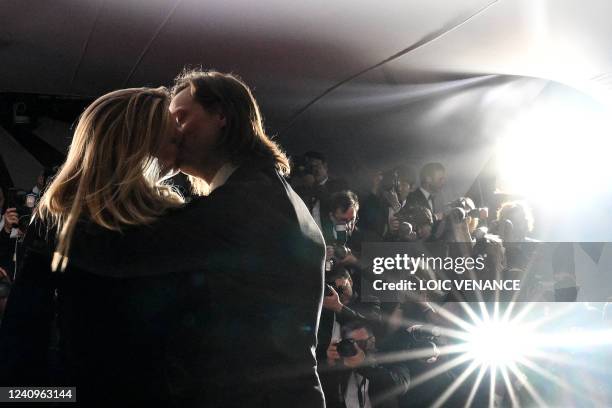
x=11, y=219
x=394, y=224
x=332, y=302
x=332, y=355
x=351, y=362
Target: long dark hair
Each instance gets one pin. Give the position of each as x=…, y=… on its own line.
x=244, y=138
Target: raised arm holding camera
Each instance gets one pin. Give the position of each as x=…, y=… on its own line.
x=361, y=381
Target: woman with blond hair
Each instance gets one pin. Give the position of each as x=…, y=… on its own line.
x=104, y=281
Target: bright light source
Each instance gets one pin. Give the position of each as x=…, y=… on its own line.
x=498, y=343
x=555, y=149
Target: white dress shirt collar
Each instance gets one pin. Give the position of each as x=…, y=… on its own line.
x=425, y=193
x=221, y=176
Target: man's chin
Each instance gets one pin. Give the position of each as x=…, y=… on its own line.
x=188, y=171
x=169, y=171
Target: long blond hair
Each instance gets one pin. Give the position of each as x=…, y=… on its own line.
x=110, y=176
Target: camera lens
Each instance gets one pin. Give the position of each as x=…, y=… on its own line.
x=346, y=348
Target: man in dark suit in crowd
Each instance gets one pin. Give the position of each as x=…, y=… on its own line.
x=263, y=250
x=379, y=214
x=342, y=238
x=323, y=187
x=433, y=179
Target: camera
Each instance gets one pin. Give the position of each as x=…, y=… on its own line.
x=332, y=286
x=423, y=337
x=347, y=348
x=23, y=203
x=390, y=186
x=413, y=222
x=340, y=252
x=468, y=209
x=421, y=332
x=456, y=215
x=390, y=181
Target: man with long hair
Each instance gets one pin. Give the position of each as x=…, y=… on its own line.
x=263, y=251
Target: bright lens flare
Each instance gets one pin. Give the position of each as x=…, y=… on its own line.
x=523, y=354
x=498, y=343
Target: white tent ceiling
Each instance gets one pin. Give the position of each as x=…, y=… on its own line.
x=294, y=51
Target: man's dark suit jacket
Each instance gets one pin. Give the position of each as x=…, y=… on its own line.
x=373, y=217
x=214, y=305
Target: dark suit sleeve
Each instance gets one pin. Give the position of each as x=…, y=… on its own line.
x=25, y=330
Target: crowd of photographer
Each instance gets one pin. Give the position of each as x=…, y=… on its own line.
x=362, y=341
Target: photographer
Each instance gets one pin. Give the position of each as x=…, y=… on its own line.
x=315, y=167
x=415, y=223
x=380, y=212
x=373, y=215
x=338, y=229
x=462, y=221
x=302, y=180
x=341, y=306
x=433, y=180
x=416, y=329
x=42, y=181
x=473, y=217
x=514, y=222
x=12, y=227
x=8, y=236
x=360, y=380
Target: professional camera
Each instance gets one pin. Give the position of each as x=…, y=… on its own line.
x=390, y=181
x=423, y=337
x=415, y=223
x=23, y=203
x=406, y=232
x=347, y=348
x=340, y=252
x=468, y=210
x=332, y=286
x=390, y=186
x=422, y=332
x=456, y=215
